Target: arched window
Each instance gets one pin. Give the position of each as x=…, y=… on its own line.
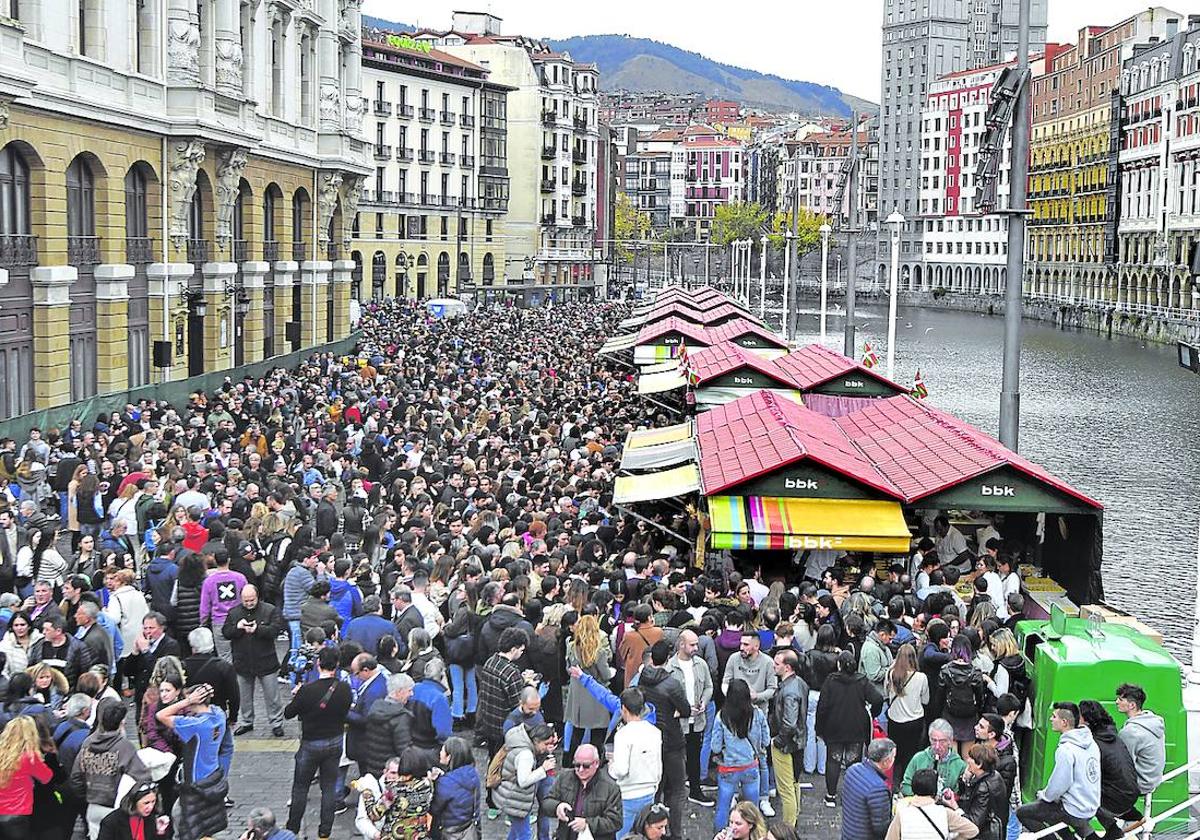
x=81, y=214
x=270, y=223
x=443, y=274
x=464, y=267
x=197, y=246
x=138, y=247
x=300, y=213
x=240, y=249
x=16, y=244
x=489, y=269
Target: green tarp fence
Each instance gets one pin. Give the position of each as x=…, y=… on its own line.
x=175, y=392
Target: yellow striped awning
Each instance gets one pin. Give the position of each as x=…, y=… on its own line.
x=649, y=487
x=773, y=522
x=663, y=434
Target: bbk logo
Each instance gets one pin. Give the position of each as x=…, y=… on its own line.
x=997, y=490
x=800, y=483
x=743, y=380
x=810, y=542
x=853, y=383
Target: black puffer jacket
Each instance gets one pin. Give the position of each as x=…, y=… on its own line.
x=187, y=608
x=501, y=619
x=388, y=733
x=274, y=569
x=1118, y=776
x=984, y=801
x=202, y=812
x=669, y=699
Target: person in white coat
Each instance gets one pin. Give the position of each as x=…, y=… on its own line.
x=636, y=764
x=126, y=607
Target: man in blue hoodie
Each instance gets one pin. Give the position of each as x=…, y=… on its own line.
x=345, y=595
x=1072, y=793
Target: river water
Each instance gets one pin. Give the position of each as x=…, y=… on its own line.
x=1117, y=418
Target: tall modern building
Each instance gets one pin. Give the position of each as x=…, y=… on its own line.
x=924, y=40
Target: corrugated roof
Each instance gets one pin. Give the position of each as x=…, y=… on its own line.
x=762, y=432
x=688, y=312
x=717, y=360
x=815, y=364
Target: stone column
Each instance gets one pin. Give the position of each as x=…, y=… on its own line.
x=314, y=278
x=218, y=323
x=329, y=68
x=51, y=350
x=285, y=278
x=228, y=44
x=166, y=280
x=342, y=270
x=183, y=44
x=112, y=327
x=253, y=276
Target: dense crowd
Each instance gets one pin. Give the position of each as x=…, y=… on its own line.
x=414, y=553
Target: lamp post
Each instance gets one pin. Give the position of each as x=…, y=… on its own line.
x=825, y=231
x=762, y=279
x=748, y=244
x=837, y=279
x=787, y=280
x=897, y=222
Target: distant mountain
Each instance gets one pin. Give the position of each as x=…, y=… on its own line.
x=644, y=65
x=641, y=64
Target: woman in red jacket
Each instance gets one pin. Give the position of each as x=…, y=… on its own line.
x=20, y=765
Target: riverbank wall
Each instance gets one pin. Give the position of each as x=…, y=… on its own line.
x=1102, y=320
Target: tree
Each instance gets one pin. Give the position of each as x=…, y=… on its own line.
x=629, y=225
x=738, y=220
x=808, y=232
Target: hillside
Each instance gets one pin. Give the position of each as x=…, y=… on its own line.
x=641, y=64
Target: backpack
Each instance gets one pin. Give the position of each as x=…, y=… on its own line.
x=960, y=693
x=495, y=769
x=1018, y=677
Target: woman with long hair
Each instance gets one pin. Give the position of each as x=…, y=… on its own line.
x=138, y=817
x=961, y=687
x=86, y=556
x=746, y=822
x=822, y=661
x=585, y=717
x=908, y=694
x=827, y=612
x=86, y=506
x=186, y=596
x=741, y=736
x=49, y=684
x=21, y=764
x=16, y=642
x=165, y=688
x=456, y=791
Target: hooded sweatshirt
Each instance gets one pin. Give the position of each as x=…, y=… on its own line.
x=1075, y=782
x=1118, y=778
x=345, y=597
x=1143, y=736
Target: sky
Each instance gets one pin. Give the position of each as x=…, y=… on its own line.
x=810, y=40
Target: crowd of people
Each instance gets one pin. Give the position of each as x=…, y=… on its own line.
x=414, y=553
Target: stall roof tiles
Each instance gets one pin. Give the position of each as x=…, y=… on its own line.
x=815, y=364
x=719, y=359
x=742, y=326
x=691, y=332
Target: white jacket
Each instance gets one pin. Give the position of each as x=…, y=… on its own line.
x=636, y=765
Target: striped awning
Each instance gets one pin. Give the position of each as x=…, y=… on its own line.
x=659, y=456
x=663, y=434
x=618, y=343
x=650, y=487
x=661, y=367
x=650, y=354
x=771, y=522
x=657, y=383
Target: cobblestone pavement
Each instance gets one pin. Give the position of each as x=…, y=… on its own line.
x=262, y=776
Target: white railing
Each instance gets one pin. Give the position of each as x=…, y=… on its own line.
x=1146, y=829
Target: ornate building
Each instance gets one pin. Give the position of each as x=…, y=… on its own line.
x=175, y=193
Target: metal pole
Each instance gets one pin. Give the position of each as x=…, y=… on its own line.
x=1010, y=390
x=825, y=230
x=795, y=248
x=897, y=225
x=666, y=268
x=707, y=249
x=762, y=280
x=787, y=278
x=851, y=243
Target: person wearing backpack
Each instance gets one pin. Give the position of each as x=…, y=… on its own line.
x=528, y=758
x=961, y=688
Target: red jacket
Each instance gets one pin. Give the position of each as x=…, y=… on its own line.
x=197, y=536
x=16, y=798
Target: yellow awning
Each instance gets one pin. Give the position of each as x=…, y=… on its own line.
x=657, y=383
x=663, y=434
x=773, y=522
x=649, y=487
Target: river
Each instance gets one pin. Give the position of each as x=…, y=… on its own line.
x=1117, y=418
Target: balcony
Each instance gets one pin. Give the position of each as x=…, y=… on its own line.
x=579, y=221
x=449, y=201
x=549, y=118
x=581, y=123
x=548, y=218
x=549, y=152
x=404, y=112
x=468, y=161
x=382, y=151
x=498, y=171
x=139, y=250
x=18, y=249
x=448, y=118
x=386, y=197
x=447, y=158
x=431, y=200
x=382, y=109
x=426, y=156
x=299, y=251
x=271, y=251
x=579, y=156
x=404, y=154
x=578, y=188
x=241, y=250
x=466, y=121
x=197, y=250
x=406, y=198
x=549, y=185
x=425, y=114
x=83, y=250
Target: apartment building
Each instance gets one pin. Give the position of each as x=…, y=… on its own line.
x=707, y=170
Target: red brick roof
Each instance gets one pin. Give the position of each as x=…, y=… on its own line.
x=815, y=364
x=742, y=326
x=719, y=359
x=763, y=432
x=682, y=309
x=694, y=334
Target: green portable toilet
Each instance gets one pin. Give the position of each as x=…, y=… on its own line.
x=1073, y=659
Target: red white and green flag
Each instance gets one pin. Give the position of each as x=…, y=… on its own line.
x=919, y=391
x=869, y=360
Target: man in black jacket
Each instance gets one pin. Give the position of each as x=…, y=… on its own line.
x=660, y=688
x=326, y=517
x=406, y=616
x=389, y=726
x=150, y=646
x=205, y=667
x=61, y=650
x=251, y=629
x=586, y=798
x=322, y=706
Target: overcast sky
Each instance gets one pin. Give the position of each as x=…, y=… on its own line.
x=813, y=40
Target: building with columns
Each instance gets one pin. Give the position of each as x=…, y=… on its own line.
x=175, y=193
x=431, y=216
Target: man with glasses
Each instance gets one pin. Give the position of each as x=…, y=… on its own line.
x=587, y=798
x=940, y=755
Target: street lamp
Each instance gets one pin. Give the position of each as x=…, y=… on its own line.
x=787, y=279
x=825, y=231
x=897, y=222
x=762, y=280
